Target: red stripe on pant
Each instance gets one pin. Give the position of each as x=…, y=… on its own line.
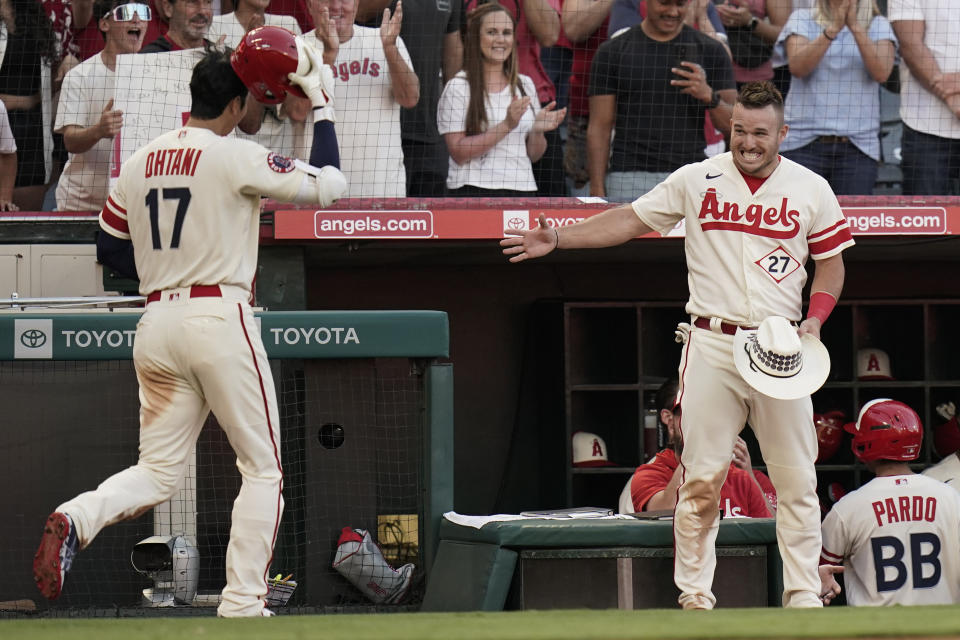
x=679, y=423
x=276, y=455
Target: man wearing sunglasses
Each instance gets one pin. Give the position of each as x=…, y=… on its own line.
x=86, y=117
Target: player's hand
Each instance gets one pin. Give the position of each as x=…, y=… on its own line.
x=947, y=410
x=741, y=455
x=8, y=205
x=390, y=25
x=312, y=75
x=811, y=326
x=111, y=120
x=547, y=119
x=515, y=111
x=522, y=244
x=693, y=80
x=829, y=587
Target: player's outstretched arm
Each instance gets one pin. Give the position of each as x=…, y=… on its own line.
x=610, y=228
x=316, y=80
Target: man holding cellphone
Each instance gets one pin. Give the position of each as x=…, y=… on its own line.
x=652, y=84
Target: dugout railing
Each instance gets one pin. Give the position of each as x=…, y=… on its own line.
x=366, y=404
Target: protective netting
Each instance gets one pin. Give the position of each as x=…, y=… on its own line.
x=352, y=456
x=878, y=114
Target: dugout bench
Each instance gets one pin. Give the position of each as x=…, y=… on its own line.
x=593, y=563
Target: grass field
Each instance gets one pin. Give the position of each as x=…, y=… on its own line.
x=838, y=622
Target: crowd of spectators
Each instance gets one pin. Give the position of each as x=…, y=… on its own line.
x=601, y=97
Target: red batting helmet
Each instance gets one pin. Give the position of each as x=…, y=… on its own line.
x=946, y=437
x=263, y=59
x=887, y=430
x=829, y=433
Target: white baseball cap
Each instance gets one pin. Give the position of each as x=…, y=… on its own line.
x=589, y=450
x=777, y=362
x=873, y=364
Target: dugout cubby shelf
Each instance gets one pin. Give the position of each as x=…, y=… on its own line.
x=616, y=355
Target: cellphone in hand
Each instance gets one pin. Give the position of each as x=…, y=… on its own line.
x=685, y=51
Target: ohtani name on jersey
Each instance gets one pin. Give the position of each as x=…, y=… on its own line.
x=172, y=162
x=905, y=509
x=344, y=70
x=770, y=222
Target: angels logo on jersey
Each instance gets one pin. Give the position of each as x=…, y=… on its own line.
x=280, y=164
x=770, y=222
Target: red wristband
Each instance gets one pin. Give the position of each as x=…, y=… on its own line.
x=821, y=304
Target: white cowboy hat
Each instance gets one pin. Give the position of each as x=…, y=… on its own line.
x=777, y=362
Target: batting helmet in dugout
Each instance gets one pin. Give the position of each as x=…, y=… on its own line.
x=829, y=427
x=886, y=430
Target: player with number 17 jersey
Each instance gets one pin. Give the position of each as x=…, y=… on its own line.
x=899, y=538
x=198, y=193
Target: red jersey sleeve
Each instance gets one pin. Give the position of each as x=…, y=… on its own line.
x=651, y=478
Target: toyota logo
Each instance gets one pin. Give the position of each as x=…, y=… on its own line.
x=516, y=222
x=33, y=338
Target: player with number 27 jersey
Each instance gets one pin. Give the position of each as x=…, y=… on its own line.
x=208, y=189
x=899, y=537
x=745, y=251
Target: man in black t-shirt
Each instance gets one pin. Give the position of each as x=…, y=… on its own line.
x=652, y=85
x=431, y=31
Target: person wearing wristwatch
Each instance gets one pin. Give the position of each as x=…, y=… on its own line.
x=752, y=29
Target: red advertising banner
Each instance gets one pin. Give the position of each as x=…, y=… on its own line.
x=489, y=223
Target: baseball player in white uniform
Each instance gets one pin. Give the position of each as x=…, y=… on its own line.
x=751, y=221
x=279, y=130
x=189, y=202
x=897, y=538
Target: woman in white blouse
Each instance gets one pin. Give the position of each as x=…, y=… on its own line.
x=489, y=114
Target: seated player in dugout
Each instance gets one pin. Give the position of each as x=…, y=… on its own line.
x=896, y=539
x=746, y=492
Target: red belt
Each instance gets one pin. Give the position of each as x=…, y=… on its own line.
x=725, y=327
x=196, y=291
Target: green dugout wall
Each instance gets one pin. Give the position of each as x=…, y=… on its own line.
x=379, y=378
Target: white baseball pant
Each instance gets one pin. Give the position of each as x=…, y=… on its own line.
x=194, y=355
x=715, y=404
